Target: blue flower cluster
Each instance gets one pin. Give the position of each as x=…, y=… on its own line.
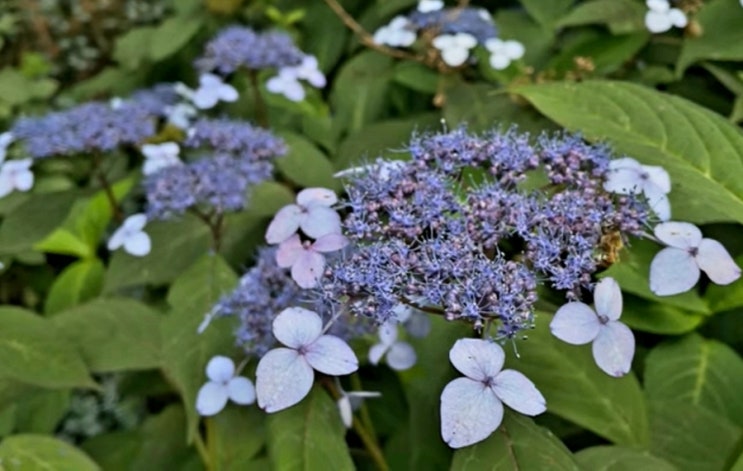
x=238, y=46
x=474, y=21
x=456, y=231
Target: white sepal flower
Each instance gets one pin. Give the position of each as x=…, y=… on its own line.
x=399, y=355
x=454, y=48
x=16, y=175
x=427, y=6
x=180, y=115
x=398, y=33
x=502, y=53
x=312, y=214
x=613, y=343
x=222, y=386
x=472, y=406
x=286, y=83
x=131, y=236
x=285, y=375
x=627, y=176
x=661, y=17
x=382, y=169
x=676, y=268
x=211, y=91
x=309, y=71
x=306, y=260
x=159, y=156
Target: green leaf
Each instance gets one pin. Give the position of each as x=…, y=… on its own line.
x=608, y=53
x=619, y=458
x=313, y=431
x=721, y=36
x=185, y=352
x=577, y=390
x=34, y=351
x=416, y=77
x=693, y=370
x=268, y=197
x=172, y=34
x=305, y=165
x=33, y=220
x=656, y=318
x=518, y=444
x=547, y=13
x=162, y=442
x=621, y=16
x=324, y=35
x=41, y=411
x=81, y=281
x=113, y=334
x=114, y=451
x=132, y=48
x=235, y=436
x=690, y=437
x=64, y=242
x=724, y=298
x=701, y=150
x=360, y=90
x=14, y=87
x=42, y=453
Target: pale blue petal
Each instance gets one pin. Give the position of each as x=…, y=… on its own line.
x=320, y=221
x=401, y=356
x=241, y=390
x=673, y=271
x=220, y=369
x=477, y=359
x=519, y=393
x=284, y=224
x=681, y=235
x=332, y=356
x=716, y=262
x=282, y=379
x=575, y=323
x=470, y=412
x=614, y=348
x=376, y=352
x=607, y=298
x=138, y=244
x=211, y=399
x=297, y=327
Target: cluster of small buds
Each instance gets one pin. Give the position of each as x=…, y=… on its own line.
x=454, y=32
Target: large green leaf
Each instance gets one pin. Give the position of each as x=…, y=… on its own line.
x=132, y=48
x=33, y=351
x=690, y=437
x=172, y=35
x=619, y=458
x=79, y=282
x=547, y=13
x=721, y=36
x=621, y=16
x=701, y=150
x=308, y=436
x=694, y=370
x=518, y=444
x=305, y=164
x=41, y=411
x=33, y=220
x=185, y=352
x=42, y=453
x=235, y=436
x=113, y=334
x=577, y=390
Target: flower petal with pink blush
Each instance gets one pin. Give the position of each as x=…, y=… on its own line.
x=316, y=196
x=319, y=221
x=284, y=224
x=308, y=269
x=330, y=243
x=289, y=251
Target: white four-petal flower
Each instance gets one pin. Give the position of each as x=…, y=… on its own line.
x=660, y=17
x=6, y=139
x=676, y=268
x=502, y=53
x=398, y=355
x=398, y=33
x=211, y=91
x=427, y=6
x=472, y=407
x=312, y=214
x=454, y=48
x=180, y=115
x=286, y=83
x=306, y=259
x=222, y=386
x=16, y=175
x=159, y=156
x=627, y=176
x=613, y=342
x=131, y=236
x=285, y=375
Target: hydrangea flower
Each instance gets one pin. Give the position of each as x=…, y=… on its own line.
x=306, y=259
x=627, y=176
x=474, y=21
x=502, y=53
x=454, y=48
x=398, y=33
x=131, y=236
x=472, y=407
x=159, y=156
x=676, y=268
x=427, y=6
x=398, y=355
x=660, y=17
x=15, y=175
x=222, y=386
x=180, y=115
x=613, y=343
x=211, y=91
x=287, y=82
x=312, y=214
x=285, y=375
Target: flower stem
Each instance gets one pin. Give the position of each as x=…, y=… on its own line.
x=261, y=112
x=107, y=188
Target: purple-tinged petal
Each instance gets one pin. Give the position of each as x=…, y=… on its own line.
x=470, y=412
x=330, y=243
x=614, y=348
x=575, y=323
x=211, y=399
x=681, y=235
x=716, y=262
x=477, y=359
x=376, y=352
x=289, y=251
x=673, y=271
x=316, y=196
x=297, y=327
x=332, y=356
x=519, y=393
x=401, y=356
x=282, y=379
x=308, y=269
x=320, y=221
x=241, y=391
x=220, y=369
x=607, y=298
x=284, y=224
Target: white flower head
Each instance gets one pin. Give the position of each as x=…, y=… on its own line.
x=472, y=406
x=660, y=17
x=454, y=48
x=180, y=115
x=427, y=6
x=312, y=214
x=399, y=355
x=159, y=156
x=676, y=268
x=306, y=259
x=398, y=33
x=613, y=343
x=131, y=236
x=502, y=53
x=309, y=71
x=211, y=91
x=285, y=375
x=286, y=83
x=627, y=176
x=222, y=386
x=16, y=175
